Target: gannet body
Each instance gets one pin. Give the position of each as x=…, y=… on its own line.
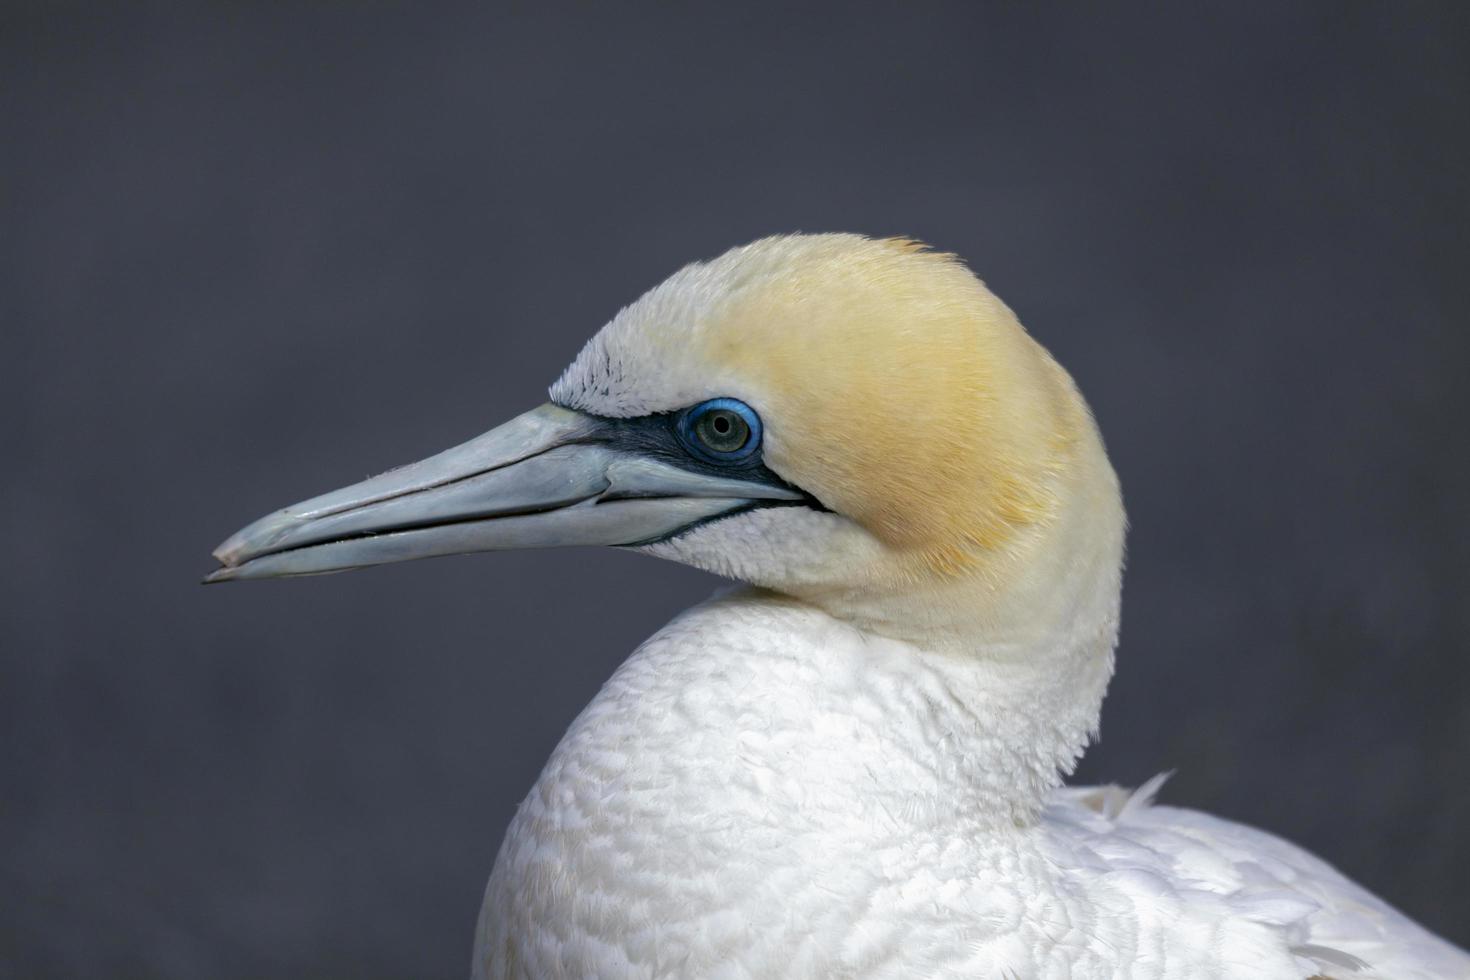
x=851, y=766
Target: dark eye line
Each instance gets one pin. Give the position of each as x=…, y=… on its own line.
x=663, y=436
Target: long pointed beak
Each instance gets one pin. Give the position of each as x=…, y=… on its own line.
x=549, y=478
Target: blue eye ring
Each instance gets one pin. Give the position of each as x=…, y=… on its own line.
x=713, y=430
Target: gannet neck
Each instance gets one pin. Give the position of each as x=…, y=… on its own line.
x=758, y=744
x=1026, y=658
x=839, y=724
x=974, y=739
x=1017, y=716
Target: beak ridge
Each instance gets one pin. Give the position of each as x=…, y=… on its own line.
x=528, y=434
x=550, y=477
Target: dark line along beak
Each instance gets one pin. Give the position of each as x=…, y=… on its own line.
x=549, y=478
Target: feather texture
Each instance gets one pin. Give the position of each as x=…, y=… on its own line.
x=762, y=791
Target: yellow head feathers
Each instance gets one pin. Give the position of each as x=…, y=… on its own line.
x=893, y=386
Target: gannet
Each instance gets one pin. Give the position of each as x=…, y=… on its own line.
x=852, y=765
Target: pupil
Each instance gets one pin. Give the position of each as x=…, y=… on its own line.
x=721, y=430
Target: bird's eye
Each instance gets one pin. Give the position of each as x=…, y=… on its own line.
x=721, y=430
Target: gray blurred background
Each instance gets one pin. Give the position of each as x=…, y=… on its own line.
x=249, y=252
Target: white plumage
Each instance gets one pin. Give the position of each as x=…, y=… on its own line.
x=739, y=802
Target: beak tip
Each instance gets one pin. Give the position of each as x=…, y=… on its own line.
x=218, y=575
x=229, y=550
x=254, y=539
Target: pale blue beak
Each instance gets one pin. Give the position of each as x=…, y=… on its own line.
x=549, y=478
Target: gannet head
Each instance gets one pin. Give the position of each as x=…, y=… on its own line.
x=859, y=423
